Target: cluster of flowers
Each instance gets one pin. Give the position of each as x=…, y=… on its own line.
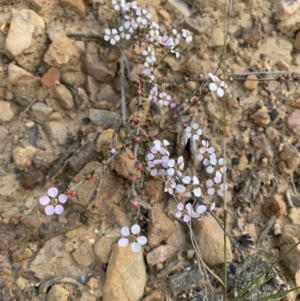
x=160, y=164
x=164, y=99
x=136, y=19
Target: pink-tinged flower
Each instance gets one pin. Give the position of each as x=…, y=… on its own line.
x=113, y=151
x=164, y=99
x=216, y=166
x=157, y=158
x=186, y=212
x=189, y=187
x=52, y=201
x=165, y=40
x=193, y=131
x=206, y=153
x=217, y=85
x=170, y=185
x=216, y=186
x=133, y=237
x=175, y=167
x=173, y=105
x=153, y=95
x=147, y=72
x=158, y=167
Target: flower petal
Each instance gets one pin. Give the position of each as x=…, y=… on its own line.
x=186, y=218
x=171, y=171
x=125, y=231
x=180, y=206
x=220, y=92
x=150, y=156
x=186, y=180
x=210, y=169
x=171, y=163
x=44, y=200
x=180, y=188
x=213, y=87
x=135, y=229
x=178, y=214
x=49, y=210
x=142, y=240
x=135, y=247
x=209, y=183
x=123, y=242
x=59, y=209
x=197, y=192
x=62, y=198
x=211, y=191
x=52, y=192
x=195, y=180
x=201, y=209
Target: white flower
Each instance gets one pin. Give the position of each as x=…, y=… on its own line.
x=157, y=158
x=217, y=85
x=164, y=99
x=206, y=153
x=154, y=93
x=173, y=167
x=111, y=35
x=186, y=212
x=193, y=131
x=131, y=21
x=154, y=30
x=134, y=238
x=216, y=186
x=143, y=15
x=216, y=166
x=177, y=36
x=126, y=30
x=190, y=187
x=187, y=35
x=150, y=56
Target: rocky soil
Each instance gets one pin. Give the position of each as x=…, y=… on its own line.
x=59, y=101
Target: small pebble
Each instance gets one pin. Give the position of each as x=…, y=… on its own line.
x=235, y=161
x=86, y=120
x=273, y=114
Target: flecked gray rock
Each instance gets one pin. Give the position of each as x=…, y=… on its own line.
x=7, y=235
x=57, y=132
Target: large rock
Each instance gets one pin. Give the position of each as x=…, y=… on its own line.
x=26, y=39
x=161, y=227
x=211, y=241
x=63, y=54
x=22, y=82
x=289, y=238
x=282, y=9
x=125, y=276
x=293, y=122
x=76, y=6
x=93, y=64
x=54, y=261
